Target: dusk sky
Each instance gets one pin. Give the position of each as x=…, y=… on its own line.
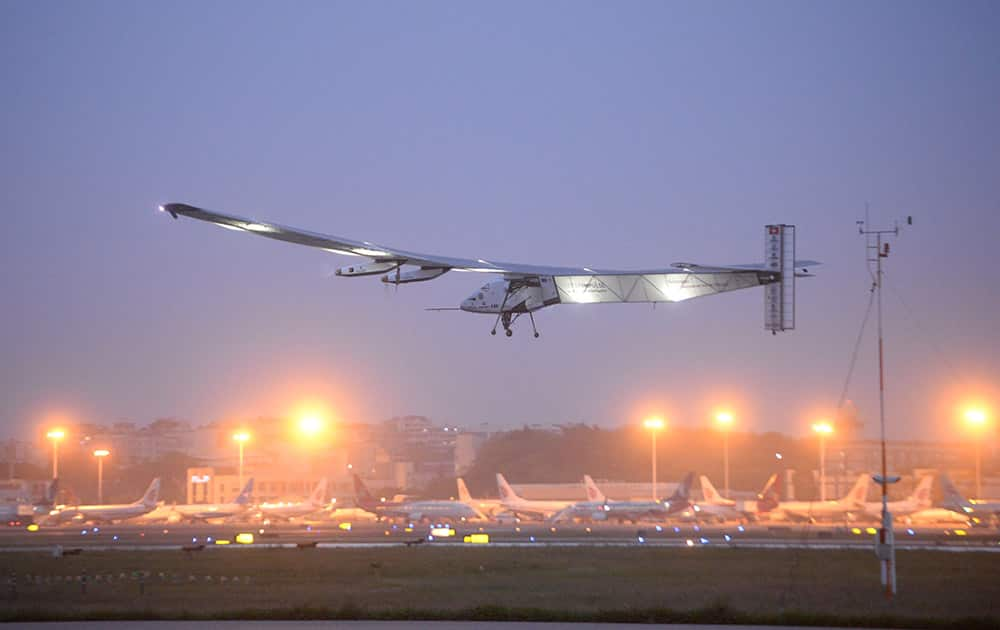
x=611, y=134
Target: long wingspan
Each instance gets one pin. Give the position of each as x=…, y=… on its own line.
x=575, y=284
x=350, y=247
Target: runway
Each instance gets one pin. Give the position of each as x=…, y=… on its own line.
x=197, y=537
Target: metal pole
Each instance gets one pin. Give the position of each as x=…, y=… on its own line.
x=725, y=459
x=653, y=458
x=55, y=459
x=822, y=467
x=100, y=480
x=881, y=371
x=240, y=489
x=979, y=485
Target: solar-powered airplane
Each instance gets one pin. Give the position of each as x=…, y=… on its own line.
x=524, y=289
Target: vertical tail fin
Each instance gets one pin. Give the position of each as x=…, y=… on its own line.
x=593, y=492
x=770, y=495
x=859, y=492
x=506, y=492
x=709, y=492
x=152, y=494
x=244, y=496
x=319, y=493
x=683, y=491
x=779, y=296
x=921, y=497
x=463, y=491
x=362, y=496
x=953, y=499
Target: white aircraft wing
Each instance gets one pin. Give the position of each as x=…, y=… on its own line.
x=351, y=247
x=575, y=285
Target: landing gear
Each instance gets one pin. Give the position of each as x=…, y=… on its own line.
x=507, y=318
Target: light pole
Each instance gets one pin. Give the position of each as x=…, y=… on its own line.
x=976, y=419
x=55, y=435
x=822, y=428
x=654, y=425
x=100, y=454
x=725, y=420
x=241, y=438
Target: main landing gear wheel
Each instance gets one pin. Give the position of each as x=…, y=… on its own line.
x=509, y=332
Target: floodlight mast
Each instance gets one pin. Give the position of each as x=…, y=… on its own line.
x=885, y=548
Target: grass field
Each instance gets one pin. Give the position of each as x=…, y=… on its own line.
x=661, y=584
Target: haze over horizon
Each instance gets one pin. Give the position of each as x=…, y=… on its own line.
x=628, y=135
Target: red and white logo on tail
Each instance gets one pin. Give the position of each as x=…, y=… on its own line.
x=593, y=492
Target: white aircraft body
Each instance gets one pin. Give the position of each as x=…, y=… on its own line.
x=162, y=513
x=298, y=509
x=838, y=510
x=430, y=511
x=489, y=507
x=24, y=510
x=717, y=507
x=919, y=500
x=524, y=289
x=974, y=511
x=598, y=507
x=205, y=511
x=112, y=512
x=937, y=516
x=527, y=508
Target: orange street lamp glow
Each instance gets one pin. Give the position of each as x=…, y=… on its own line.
x=975, y=417
x=654, y=424
x=56, y=434
x=724, y=419
x=311, y=425
x=822, y=427
x=102, y=452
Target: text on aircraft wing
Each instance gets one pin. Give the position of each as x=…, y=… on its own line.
x=577, y=284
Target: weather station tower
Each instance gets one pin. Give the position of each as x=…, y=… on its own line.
x=877, y=249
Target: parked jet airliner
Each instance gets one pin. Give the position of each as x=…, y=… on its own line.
x=114, y=512
x=432, y=511
x=205, y=511
x=302, y=508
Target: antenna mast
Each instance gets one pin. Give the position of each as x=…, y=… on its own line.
x=885, y=549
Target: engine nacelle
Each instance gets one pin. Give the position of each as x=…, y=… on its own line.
x=368, y=269
x=414, y=275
